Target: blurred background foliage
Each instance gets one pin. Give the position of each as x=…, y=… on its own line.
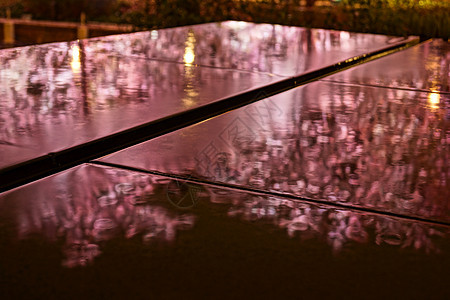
x=427, y=18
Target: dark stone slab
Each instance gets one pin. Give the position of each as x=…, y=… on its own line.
x=58, y=96
x=368, y=147
x=95, y=232
x=422, y=67
x=63, y=103
x=267, y=48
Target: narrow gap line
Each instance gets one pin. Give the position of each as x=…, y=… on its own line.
x=270, y=193
x=154, y=59
x=384, y=86
x=51, y=163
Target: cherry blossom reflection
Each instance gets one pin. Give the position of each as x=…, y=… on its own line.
x=339, y=228
x=59, y=95
x=274, y=49
x=368, y=147
x=101, y=205
x=85, y=208
x=423, y=67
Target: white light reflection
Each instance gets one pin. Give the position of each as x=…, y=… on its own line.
x=190, y=88
x=75, y=64
x=434, y=98
x=237, y=25
x=188, y=57
x=154, y=34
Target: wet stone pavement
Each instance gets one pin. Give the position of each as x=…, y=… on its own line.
x=105, y=232
x=58, y=96
x=425, y=68
x=335, y=188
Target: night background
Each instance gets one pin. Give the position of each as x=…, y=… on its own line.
x=248, y=149
x=427, y=18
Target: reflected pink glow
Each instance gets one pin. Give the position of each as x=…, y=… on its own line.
x=103, y=205
x=338, y=227
x=88, y=206
x=60, y=95
x=425, y=67
x=274, y=49
x=361, y=146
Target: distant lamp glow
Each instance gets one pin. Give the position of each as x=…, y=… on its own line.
x=237, y=24
x=154, y=34
x=189, y=55
x=434, y=99
x=75, y=64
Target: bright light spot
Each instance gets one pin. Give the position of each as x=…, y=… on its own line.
x=154, y=34
x=237, y=24
x=75, y=52
x=75, y=64
x=189, y=55
x=434, y=99
x=345, y=36
x=190, y=91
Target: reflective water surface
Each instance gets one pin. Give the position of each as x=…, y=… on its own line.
x=425, y=67
x=383, y=149
x=60, y=95
x=106, y=229
x=274, y=49
x=339, y=189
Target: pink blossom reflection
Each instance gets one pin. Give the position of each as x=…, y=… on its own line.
x=86, y=208
x=89, y=206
